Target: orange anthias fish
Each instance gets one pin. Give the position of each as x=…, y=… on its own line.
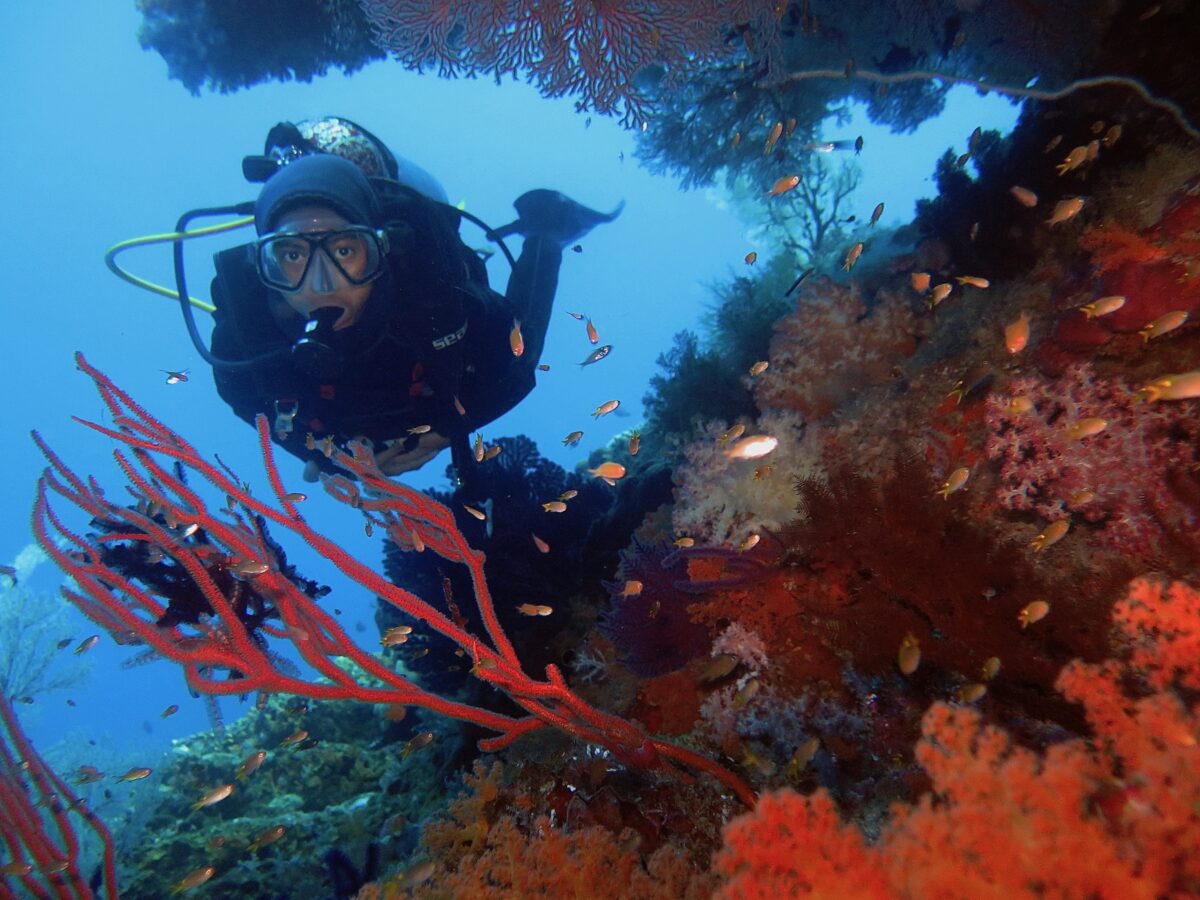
x=608, y=469
x=783, y=185
x=193, y=879
x=515, y=341
x=752, y=447
x=1016, y=334
x=216, y=795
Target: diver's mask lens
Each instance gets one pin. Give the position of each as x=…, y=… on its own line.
x=356, y=253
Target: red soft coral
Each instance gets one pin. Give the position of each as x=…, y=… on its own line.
x=793, y=846
x=1115, y=817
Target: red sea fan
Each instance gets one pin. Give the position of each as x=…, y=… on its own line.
x=593, y=51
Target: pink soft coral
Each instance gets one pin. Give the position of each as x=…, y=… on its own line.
x=1126, y=465
x=833, y=347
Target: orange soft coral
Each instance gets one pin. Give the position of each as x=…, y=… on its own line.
x=1117, y=816
x=793, y=846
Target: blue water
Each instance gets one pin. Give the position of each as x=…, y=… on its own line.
x=99, y=146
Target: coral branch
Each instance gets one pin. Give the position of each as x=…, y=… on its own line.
x=236, y=580
x=27, y=787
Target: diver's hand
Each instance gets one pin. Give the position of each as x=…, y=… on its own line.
x=392, y=460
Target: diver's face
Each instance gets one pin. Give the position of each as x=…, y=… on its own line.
x=324, y=285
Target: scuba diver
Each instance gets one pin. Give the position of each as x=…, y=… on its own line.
x=360, y=312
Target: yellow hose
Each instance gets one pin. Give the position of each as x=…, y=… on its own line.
x=110, y=257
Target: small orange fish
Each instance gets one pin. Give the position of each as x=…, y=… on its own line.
x=1051, y=535
x=684, y=542
x=1065, y=210
x=758, y=368
x=776, y=131
x=908, y=657
x=458, y=407
x=554, y=506
x=852, y=256
x=875, y=214
x=783, y=185
x=477, y=449
x=1053, y=142
x=1102, y=307
x=1034, y=612
x=135, y=774
x=635, y=443
x=1018, y=406
x=608, y=469
x=749, y=543
x=973, y=281
x=737, y=139
x=170, y=710
x=250, y=567
x=1111, y=136
x=294, y=738
x=1074, y=160
x=515, y=341
x=264, y=838
x=535, y=609
x=1016, y=334
x=605, y=408
x=1173, y=387
x=87, y=644
x=88, y=775
x=492, y=452
x=395, y=637
x=420, y=429
x=939, y=293
x=1024, y=196
x=572, y=439
x=632, y=588
x=477, y=513
x=732, y=433
x=972, y=693
x=1085, y=428
x=569, y=494
x=193, y=879
x=1081, y=498
x=216, y=795
x=752, y=447
x=542, y=546
x=751, y=257
x=802, y=756
x=424, y=739
x=956, y=482
x=250, y=764
x=593, y=335
x=920, y=281
x=990, y=668
x=1165, y=323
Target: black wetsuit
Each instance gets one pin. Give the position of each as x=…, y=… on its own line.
x=432, y=331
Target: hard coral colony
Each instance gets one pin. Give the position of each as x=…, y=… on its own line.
x=910, y=611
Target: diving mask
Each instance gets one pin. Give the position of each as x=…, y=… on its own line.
x=285, y=260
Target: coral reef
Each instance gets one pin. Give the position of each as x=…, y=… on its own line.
x=225, y=45
x=1116, y=816
x=1117, y=480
